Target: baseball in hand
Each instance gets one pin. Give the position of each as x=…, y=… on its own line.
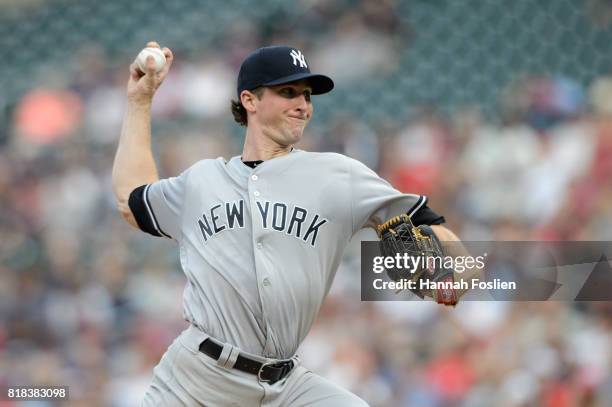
x=160, y=58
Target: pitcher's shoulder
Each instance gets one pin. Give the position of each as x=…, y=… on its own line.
x=207, y=165
x=329, y=158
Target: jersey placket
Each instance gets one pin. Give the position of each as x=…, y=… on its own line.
x=256, y=191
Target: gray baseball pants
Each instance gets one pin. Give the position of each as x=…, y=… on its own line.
x=187, y=377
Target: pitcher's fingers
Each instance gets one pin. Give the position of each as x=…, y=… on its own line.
x=150, y=65
x=168, y=54
x=150, y=71
x=153, y=44
x=169, y=59
x=135, y=72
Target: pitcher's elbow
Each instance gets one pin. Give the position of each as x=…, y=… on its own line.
x=123, y=206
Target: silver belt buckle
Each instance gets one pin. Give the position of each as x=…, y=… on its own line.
x=261, y=370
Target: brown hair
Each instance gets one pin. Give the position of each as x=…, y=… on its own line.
x=239, y=112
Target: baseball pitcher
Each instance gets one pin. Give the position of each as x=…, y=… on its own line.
x=260, y=237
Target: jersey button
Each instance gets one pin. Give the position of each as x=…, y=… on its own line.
x=256, y=193
x=266, y=281
x=259, y=245
x=254, y=177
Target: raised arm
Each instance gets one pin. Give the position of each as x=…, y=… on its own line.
x=134, y=164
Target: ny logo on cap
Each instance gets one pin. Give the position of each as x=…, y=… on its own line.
x=298, y=57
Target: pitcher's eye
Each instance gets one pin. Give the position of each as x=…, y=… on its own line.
x=291, y=93
x=287, y=92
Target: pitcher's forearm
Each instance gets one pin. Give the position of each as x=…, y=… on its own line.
x=134, y=164
x=453, y=247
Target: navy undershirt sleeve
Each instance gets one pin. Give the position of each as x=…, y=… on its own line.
x=425, y=216
x=139, y=210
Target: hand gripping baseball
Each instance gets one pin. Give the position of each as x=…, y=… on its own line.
x=142, y=85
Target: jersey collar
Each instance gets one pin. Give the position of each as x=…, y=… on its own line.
x=237, y=165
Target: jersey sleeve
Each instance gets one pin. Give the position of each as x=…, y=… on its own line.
x=157, y=207
x=374, y=200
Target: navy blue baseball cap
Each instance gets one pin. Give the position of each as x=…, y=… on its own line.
x=276, y=65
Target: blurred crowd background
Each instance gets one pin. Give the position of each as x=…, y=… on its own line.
x=499, y=111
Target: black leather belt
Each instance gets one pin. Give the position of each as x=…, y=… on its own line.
x=265, y=372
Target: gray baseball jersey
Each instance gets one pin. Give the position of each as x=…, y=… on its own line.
x=260, y=246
